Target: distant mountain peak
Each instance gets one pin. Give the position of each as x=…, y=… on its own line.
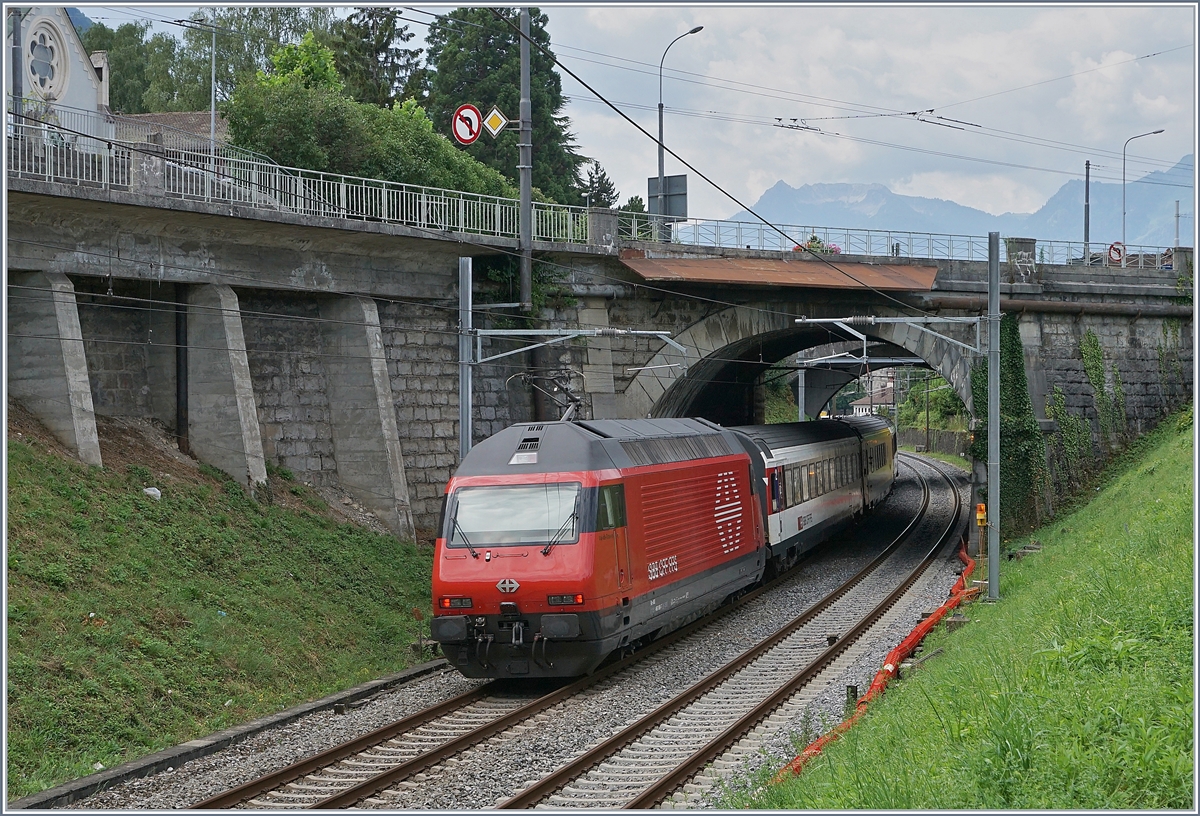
x=1150, y=219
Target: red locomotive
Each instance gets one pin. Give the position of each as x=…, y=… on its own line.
x=563, y=542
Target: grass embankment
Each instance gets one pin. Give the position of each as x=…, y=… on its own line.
x=1074, y=691
x=959, y=462
x=135, y=624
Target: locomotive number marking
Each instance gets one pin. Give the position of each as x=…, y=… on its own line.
x=662, y=567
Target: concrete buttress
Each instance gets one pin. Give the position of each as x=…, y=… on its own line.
x=47, y=368
x=362, y=412
x=222, y=418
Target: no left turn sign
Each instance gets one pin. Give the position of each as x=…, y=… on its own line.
x=467, y=124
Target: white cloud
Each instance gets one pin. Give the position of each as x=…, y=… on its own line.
x=815, y=62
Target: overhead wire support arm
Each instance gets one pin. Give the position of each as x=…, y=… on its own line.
x=918, y=323
x=561, y=335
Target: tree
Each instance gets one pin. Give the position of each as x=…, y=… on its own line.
x=308, y=63
x=246, y=37
x=371, y=57
x=600, y=190
x=311, y=124
x=127, y=62
x=946, y=409
x=475, y=56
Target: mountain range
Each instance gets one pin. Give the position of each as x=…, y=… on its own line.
x=1150, y=210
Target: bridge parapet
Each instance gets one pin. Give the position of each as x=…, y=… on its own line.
x=1022, y=257
x=56, y=145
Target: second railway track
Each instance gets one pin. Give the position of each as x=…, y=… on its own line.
x=390, y=766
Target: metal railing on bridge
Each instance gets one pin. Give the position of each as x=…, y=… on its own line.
x=55, y=143
x=755, y=235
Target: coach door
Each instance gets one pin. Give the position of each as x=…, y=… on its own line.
x=610, y=526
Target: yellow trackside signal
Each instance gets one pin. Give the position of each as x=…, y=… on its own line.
x=981, y=515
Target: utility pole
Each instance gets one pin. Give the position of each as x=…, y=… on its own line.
x=18, y=85
x=525, y=171
x=464, y=357
x=927, y=414
x=993, y=482
x=1176, y=222
x=212, y=111
x=1087, y=212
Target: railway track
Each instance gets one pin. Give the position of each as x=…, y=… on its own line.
x=372, y=771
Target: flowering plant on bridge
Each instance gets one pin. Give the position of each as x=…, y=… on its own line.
x=815, y=244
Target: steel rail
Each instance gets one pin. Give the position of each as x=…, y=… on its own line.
x=695, y=763
x=276, y=779
x=562, y=776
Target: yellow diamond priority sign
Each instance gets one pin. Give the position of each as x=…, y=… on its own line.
x=495, y=122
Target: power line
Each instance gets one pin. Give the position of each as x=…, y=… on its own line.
x=763, y=121
x=695, y=170
x=1067, y=76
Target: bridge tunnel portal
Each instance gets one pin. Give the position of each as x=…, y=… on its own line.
x=726, y=384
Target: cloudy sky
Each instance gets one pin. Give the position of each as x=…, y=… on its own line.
x=1036, y=91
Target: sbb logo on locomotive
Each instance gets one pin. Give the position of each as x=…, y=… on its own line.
x=663, y=566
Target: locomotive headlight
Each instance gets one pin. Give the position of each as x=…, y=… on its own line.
x=565, y=600
x=455, y=603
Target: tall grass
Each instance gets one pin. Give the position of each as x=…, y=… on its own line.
x=135, y=624
x=1076, y=690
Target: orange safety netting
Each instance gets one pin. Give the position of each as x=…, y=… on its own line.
x=958, y=594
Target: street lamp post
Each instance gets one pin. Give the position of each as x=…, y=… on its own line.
x=662, y=179
x=1124, y=251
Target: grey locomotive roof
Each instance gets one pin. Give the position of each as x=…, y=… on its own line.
x=597, y=445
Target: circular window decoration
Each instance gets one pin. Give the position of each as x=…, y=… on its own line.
x=46, y=60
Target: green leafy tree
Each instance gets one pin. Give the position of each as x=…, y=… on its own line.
x=475, y=57
x=246, y=37
x=315, y=126
x=126, y=47
x=307, y=63
x=635, y=204
x=600, y=190
x=372, y=59
x=946, y=410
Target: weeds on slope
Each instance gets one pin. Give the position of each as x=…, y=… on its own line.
x=135, y=624
x=1075, y=691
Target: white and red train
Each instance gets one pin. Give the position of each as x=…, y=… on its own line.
x=563, y=542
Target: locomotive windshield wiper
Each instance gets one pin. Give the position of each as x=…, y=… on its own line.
x=458, y=527
x=561, y=530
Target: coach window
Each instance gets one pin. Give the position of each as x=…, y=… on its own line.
x=610, y=507
x=794, y=492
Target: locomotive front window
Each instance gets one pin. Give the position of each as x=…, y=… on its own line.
x=521, y=514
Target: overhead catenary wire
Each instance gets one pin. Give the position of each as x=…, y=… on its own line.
x=859, y=110
x=702, y=175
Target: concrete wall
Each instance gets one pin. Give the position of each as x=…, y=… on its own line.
x=46, y=366
x=421, y=347
x=287, y=368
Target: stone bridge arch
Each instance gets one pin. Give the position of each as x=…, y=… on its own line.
x=731, y=347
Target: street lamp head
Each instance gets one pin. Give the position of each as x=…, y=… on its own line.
x=698, y=29
x=1156, y=131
